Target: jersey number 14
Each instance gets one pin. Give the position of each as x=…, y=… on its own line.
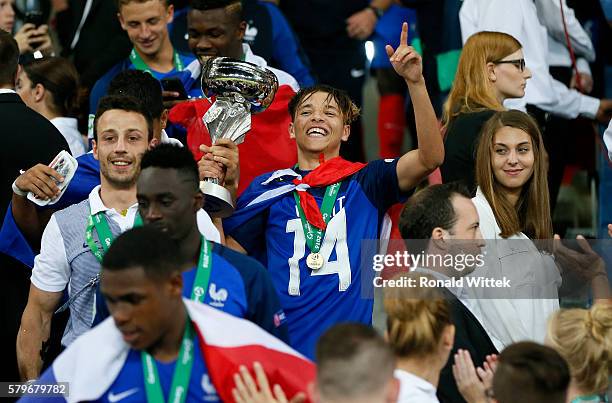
x=334, y=239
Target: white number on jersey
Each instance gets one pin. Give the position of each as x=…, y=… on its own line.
x=335, y=238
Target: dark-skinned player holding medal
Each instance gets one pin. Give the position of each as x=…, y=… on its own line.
x=306, y=223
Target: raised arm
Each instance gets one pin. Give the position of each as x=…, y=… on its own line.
x=415, y=165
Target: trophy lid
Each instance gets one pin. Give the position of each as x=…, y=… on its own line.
x=224, y=77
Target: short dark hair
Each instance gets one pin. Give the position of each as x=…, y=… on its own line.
x=146, y=247
x=60, y=78
x=528, y=372
x=234, y=8
x=347, y=107
x=121, y=3
x=9, y=58
x=430, y=208
x=125, y=103
x=142, y=86
x=170, y=156
x=353, y=361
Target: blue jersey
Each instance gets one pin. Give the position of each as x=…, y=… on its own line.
x=129, y=385
x=238, y=285
x=314, y=300
x=101, y=87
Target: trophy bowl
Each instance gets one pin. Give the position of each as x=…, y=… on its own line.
x=240, y=89
x=223, y=76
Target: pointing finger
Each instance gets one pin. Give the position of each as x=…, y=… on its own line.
x=404, y=35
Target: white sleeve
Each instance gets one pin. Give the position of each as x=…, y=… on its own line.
x=608, y=139
x=583, y=66
x=549, y=14
x=206, y=227
x=51, y=271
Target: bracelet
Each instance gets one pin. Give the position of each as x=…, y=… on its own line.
x=18, y=191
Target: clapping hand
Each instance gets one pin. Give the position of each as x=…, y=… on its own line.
x=249, y=390
x=472, y=382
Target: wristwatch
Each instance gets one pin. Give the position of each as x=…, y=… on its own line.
x=377, y=11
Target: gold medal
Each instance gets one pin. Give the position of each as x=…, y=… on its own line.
x=314, y=261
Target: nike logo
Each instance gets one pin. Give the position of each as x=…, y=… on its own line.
x=120, y=396
x=356, y=73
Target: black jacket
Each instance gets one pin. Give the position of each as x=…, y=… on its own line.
x=28, y=138
x=469, y=335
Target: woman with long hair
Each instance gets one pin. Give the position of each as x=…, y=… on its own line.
x=49, y=86
x=513, y=207
x=421, y=333
x=583, y=337
x=491, y=69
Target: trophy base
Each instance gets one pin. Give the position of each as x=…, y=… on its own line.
x=218, y=200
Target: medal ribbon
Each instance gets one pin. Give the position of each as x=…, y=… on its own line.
x=182, y=371
x=200, y=284
x=329, y=172
x=314, y=235
x=99, y=222
x=139, y=64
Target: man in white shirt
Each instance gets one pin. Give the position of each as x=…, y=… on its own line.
x=549, y=14
x=75, y=239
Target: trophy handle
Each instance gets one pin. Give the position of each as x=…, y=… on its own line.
x=217, y=199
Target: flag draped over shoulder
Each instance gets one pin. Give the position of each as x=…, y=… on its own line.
x=267, y=146
x=92, y=363
x=266, y=190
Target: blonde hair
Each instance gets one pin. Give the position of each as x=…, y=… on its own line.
x=531, y=214
x=472, y=90
x=584, y=338
x=416, y=318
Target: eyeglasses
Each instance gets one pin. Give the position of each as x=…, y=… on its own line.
x=518, y=63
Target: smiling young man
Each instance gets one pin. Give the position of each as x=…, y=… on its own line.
x=146, y=24
x=217, y=28
x=75, y=238
x=307, y=223
x=169, y=198
x=159, y=347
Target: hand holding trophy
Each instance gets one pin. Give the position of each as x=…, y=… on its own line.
x=241, y=88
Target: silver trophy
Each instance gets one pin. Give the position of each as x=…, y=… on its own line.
x=241, y=88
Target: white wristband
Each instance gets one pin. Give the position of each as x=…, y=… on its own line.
x=18, y=191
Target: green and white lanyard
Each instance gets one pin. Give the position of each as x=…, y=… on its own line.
x=182, y=371
x=139, y=64
x=590, y=399
x=200, y=283
x=99, y=222
x=314, y=235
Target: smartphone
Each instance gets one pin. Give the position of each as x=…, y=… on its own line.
x=34, y=17
x=175, y=85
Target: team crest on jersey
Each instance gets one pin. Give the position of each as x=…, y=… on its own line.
x=210, y=393
x=218, y=297
x=279, y=318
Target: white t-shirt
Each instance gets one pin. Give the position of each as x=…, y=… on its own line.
x=69, y=129
x=414, y=389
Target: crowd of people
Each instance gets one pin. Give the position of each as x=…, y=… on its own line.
x=123, y=282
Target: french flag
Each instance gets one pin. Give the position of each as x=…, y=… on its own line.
x=94, y=360
x=267, y=146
